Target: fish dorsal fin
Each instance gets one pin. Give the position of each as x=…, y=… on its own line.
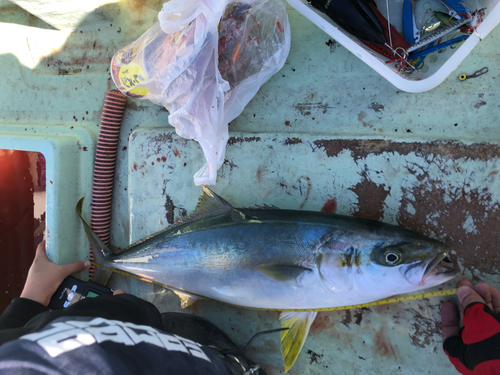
x=209, y=204
x=265, y=207
x=293, y=339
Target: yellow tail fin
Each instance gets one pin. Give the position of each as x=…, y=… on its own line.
x=293, y=339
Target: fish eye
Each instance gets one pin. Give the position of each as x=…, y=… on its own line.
x=392, y=257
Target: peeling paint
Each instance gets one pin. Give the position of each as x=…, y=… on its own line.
x=306, y=109
x=332, y=44
x=361, y=116
x=469, y=225
x=358, y=314
x=361, y=148
x=234, y=140
x=292, y=141
x=313, y=357
x=479, y=104
x=426, y=330
x=376, y=106
x=447, y=190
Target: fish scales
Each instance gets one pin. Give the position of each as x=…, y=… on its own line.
x=238, y=258
x=283, y=260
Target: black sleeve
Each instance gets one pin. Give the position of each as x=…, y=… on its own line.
x=20, y=312
x=26, y=316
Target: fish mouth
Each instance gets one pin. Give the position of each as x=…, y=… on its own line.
x=439, y=269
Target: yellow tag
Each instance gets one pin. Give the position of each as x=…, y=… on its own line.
x=131, y=75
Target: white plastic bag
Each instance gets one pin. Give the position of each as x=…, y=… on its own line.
x=204, y=61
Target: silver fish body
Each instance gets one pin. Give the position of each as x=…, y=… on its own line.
x=287, y=260
x=293, y=261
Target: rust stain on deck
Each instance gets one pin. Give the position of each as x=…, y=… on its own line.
x=371, y=199
x=382, y=344
x=361, y=148
x=306, y=109
x=235, y=140
x=477, y=248
x=424, y=328
x=467, y=221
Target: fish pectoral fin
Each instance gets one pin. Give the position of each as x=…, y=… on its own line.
x=282, y=272
x=293, y=339
x=186, y=299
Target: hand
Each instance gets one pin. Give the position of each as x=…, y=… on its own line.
x=44, y=277
x=471, y=332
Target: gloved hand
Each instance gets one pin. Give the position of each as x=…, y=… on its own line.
x=471, y=335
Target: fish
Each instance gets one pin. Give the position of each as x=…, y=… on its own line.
x=296, y=262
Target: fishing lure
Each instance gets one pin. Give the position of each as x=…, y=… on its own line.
x=439, y=34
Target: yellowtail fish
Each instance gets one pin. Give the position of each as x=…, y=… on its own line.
x=292, y=261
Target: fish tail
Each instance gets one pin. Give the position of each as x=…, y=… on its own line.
x=99, y=248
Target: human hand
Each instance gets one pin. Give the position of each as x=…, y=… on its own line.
x=471, y=334
x=44, y=277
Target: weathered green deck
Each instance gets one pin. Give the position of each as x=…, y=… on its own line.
x=325, y=127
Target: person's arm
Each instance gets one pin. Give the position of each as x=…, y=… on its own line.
x=471, y=333
x=20, y=312
x=44, y=277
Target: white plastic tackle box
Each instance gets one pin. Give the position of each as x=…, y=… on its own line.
x=438, y=65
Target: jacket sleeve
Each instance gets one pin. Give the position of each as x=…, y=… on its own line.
x=20, y=312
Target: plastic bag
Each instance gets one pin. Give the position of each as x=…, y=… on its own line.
x=204, y=61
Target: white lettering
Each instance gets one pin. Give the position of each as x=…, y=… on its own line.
x=110, y=333
x=148, y=337
x=193, y=347
x=65, y=341
x=60, y=337
x=171, y=343
x=56, y=327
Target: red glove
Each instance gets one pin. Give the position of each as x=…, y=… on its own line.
x=475, y=348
